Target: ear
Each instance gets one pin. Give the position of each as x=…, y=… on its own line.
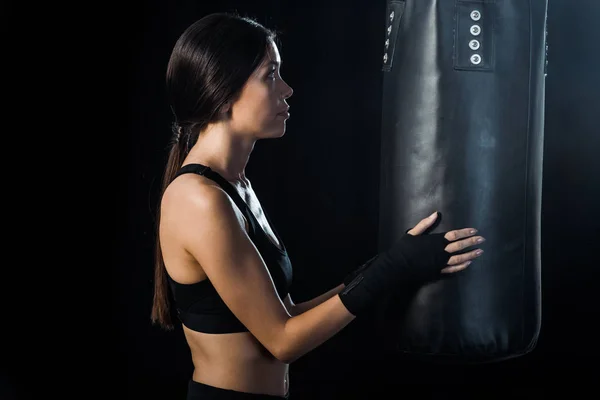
x=226, y=108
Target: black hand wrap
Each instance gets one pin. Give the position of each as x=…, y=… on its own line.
x=350, y=277
x=411, y=259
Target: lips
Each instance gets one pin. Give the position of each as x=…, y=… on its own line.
x=283, y=112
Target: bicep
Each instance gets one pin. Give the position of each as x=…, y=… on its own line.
x=215, y=237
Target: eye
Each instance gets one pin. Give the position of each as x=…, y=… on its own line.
x=271, y=73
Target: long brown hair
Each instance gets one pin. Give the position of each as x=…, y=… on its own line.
x=209, y=65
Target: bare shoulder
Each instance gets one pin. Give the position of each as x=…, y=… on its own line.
x=189, y=190
x=193, y=199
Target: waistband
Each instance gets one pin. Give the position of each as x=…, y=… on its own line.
x=202, y=391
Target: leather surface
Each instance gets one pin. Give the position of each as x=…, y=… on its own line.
x=462, y=133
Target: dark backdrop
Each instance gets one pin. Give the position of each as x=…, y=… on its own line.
x=319, y=183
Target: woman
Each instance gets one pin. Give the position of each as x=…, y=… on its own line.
x=218, y=253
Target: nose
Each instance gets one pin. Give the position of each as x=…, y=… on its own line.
x=288, y=91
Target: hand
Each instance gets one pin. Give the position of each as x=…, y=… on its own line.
x=458, y=262
x=416, y=257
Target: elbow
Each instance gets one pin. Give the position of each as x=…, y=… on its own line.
x=286, y=357
x=284, y=354
x=284, y=351
x=282, y=359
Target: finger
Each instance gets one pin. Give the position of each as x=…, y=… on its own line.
x=460, y=234
x=456, y=268
x=464, y=243
x=461, y=258
x=423, y=225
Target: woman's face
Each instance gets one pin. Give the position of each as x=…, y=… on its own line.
x=258, y=109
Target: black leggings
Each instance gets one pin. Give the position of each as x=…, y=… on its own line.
x=201, y=391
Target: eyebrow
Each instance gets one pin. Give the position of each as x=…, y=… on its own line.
x=273, y=63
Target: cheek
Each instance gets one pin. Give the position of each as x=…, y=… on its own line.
x=255, y=107
x=258, y=110
x=251, y=117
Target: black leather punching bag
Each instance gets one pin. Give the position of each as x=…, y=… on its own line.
x=462, y=133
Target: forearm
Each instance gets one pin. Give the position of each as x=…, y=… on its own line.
x=304, y=332
x=312, y=303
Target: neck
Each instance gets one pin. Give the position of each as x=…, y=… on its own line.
x=225, y=153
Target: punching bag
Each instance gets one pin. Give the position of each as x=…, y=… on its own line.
x=462, y=133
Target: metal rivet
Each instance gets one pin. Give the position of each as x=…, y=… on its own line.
x=475, y=30
x=474, y=44
x=387, y=43
x=389, y=30
x=385, y=58
x=475, y=59
x=475, y=15
x=392, y=16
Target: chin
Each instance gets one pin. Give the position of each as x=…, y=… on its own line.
x=281, y=133
x=274, y=134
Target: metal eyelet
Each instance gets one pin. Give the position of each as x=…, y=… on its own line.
x=476, y=59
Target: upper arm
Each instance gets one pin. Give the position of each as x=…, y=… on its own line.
x=214, y=235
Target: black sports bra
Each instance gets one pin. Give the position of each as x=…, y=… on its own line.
x=199, y=306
